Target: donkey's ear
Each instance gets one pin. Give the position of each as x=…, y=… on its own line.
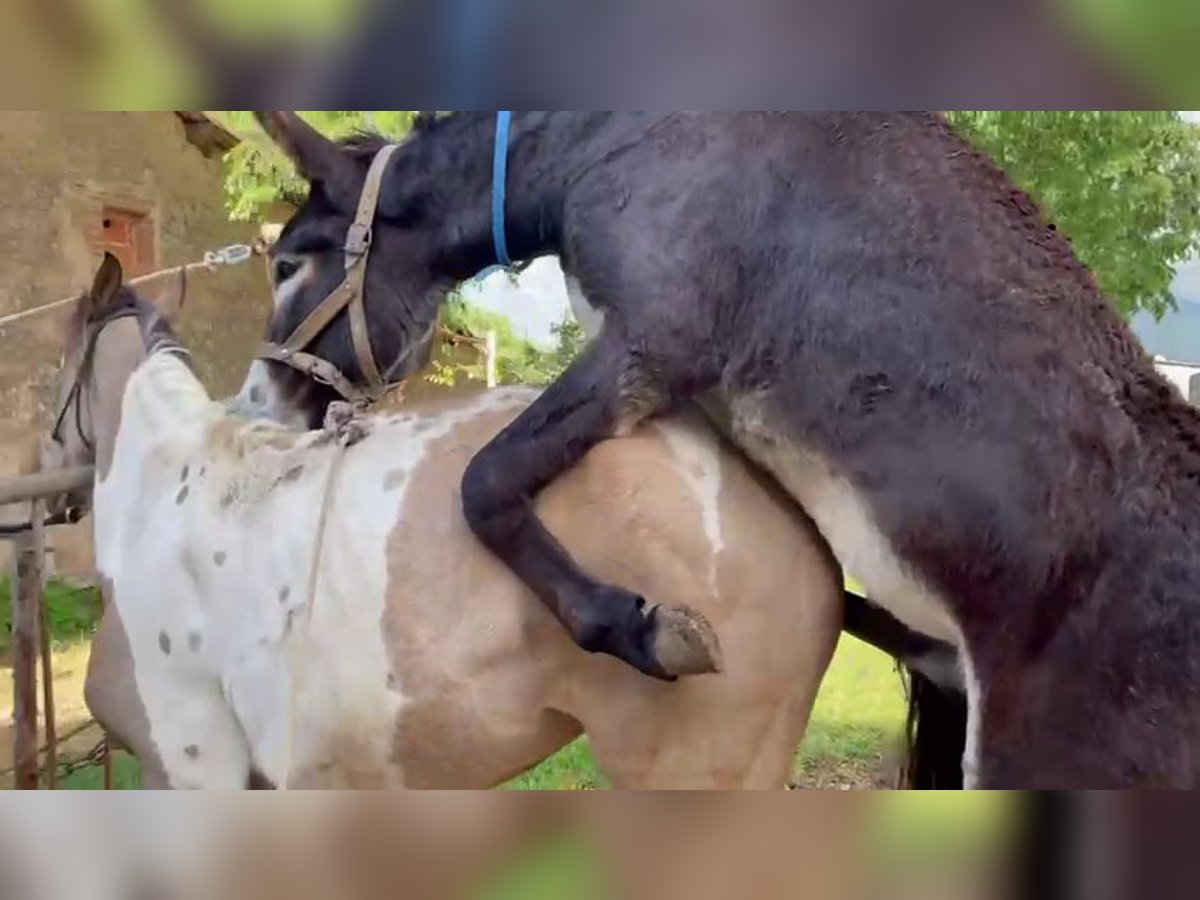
x=105, y=286
x=317, y=158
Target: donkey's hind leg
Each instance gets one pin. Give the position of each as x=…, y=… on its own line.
x=604, y=392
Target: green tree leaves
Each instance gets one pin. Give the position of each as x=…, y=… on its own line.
x=518, y=361
x=1123, y=186
x=257, y=172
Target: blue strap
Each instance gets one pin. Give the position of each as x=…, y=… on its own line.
x=499, y=179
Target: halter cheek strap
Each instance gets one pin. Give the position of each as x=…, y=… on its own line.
x=74, y=397
x=348, y=295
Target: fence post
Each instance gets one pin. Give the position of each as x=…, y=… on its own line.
x=490, y=352
x=37, y=535
x=26, y=600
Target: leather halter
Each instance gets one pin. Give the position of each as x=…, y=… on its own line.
x=83, y=372
x=346, y=296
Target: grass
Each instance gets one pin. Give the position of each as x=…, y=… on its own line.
x=71, y=614
x=127, y=776
x=573, y=768
x=857, y=719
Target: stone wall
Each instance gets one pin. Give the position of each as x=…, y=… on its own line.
x=61, y=170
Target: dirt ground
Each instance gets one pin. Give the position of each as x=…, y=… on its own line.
x=842, y=775
x=69, y=666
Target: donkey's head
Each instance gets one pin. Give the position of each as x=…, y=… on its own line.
x=361, y=268
x=111, y=332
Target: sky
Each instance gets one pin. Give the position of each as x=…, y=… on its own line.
x=1186, y=286
x=1177, y=335
x=539, y=299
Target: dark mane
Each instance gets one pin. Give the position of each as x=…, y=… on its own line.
x=128, y=300
x=455, y=145
x=363, y=145
x=157, y=333
x=83, y=318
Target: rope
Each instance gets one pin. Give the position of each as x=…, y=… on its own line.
x=342, y=420
x=213, y=260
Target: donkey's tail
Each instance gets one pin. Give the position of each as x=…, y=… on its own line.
x=936, y=729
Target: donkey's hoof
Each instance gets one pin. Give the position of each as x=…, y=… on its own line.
x=684, y=642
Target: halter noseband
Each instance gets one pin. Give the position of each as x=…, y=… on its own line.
x=346, y=296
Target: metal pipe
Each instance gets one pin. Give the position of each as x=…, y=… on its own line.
x=19, y=488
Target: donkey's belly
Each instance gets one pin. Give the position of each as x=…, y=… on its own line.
x=844, y=519
x=847, y=523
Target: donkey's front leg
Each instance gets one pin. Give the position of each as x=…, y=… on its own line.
x=604, y=392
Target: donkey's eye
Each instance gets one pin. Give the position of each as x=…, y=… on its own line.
x=285, y=268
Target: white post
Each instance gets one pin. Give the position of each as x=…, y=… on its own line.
x=490, y=353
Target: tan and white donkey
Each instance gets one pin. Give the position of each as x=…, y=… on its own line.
x=418, y=660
